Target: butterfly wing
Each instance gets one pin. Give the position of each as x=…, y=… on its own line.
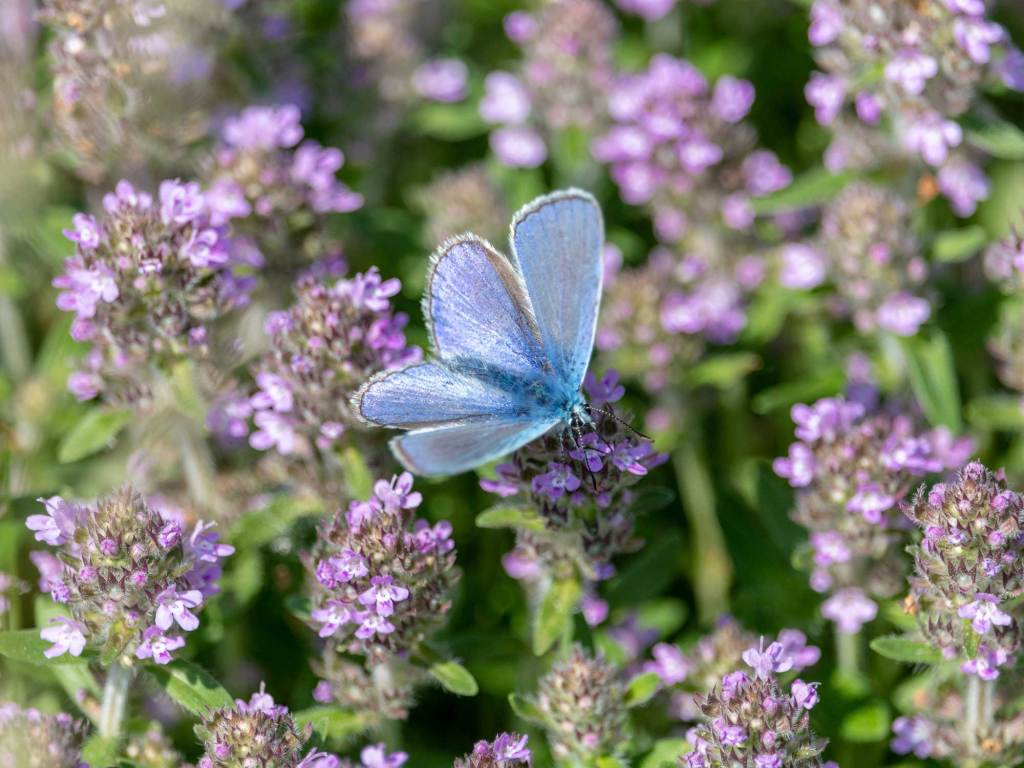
x=449, y=450
x=430, y=395
x=557, y=243
x=479, y=315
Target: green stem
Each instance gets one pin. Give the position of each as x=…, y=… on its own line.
x=115, y=697
x=712, y=571
x=848, y=648
x=14, y=346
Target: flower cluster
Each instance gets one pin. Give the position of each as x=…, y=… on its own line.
x=257, y=732
x=508, y=750
x=580, y=486
x=32, y=739
x=464, y=200
x=375, y=756
x=132, y=579
x=967, y=567
x=380, y=580
x=152, y=749
x=146, y=284
x=582, y=699
x=853, y=463
x=912, y=69
x=332, y=339
x=1004, y=266
x=688, y=674
x=873, y=259
x=385, y=37
x=274, y=186
x=751, y=720
x=566, y=70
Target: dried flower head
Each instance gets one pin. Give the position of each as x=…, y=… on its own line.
x=463, y=200
x=132, y=579
x=32, y=739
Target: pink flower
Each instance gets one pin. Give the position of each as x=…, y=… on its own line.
x=67, y=636
x=158, y=646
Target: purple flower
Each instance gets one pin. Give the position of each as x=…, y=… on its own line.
x=557, y=481
x=383, y=594
x=506, y=100
x=334, y=615
x=987, y=663
x=275, y=393
x=913, y=734
x=376, y=756
x=732, y=98
x=826, y=93
x=850, y=609
x=173, y=606
x=764, y=173
x=84, y=385
x=82, y=288
x=1011, y=69
x=732, y=683
x=964, y=184
x=372, y=624
x=58, y=524
x=508, y=746
x=84, y=231
x=518, y=146
x=766, y=661
x=871, y=503
x=180, y=204
x=607, y=390
x=397, y=494
x=169, y=535
x=730, y=735
x=264, y=128
x=868, y=107
x=798, y=467
x=903, y=313
x=274, y=431
x=984, y=613
x=911, y=69
x=441, y=80
x=932, y=136
x=158, y=646
x=976, y=36
x=341, y=569
x=670, y=664
x=805, y=695
x=649, y=10
x=826, y=22
x=519, y=26
x=67, y=636
x=803, y=267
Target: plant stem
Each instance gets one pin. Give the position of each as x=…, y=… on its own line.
x=115, y=696
x=978, y=703
x=848, y=652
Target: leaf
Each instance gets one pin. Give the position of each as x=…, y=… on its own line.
x=642, y=688
x=331, y=723
x=260, y=527
x=190, y=686
x=996, y=411
x=956, y=245
x=867, y=723
x=450, y=122
x=300, y=606
x=607, y=761
x=724, y=370
x=554, y=614
x=813, y=187
x=27, y=646
x=803, y=390
x=510, y=516
x=99, y=751
x=455, y=678
x=95, y=431
x=933, y=379
x=999, y=139
x=665, y=753
x=906, y=650
x=650, y=499
x=358, y=477
x=526, y=709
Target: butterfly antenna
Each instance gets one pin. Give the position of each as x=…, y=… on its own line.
x=609, y=412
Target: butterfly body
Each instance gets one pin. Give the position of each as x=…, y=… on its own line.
x=511, y=339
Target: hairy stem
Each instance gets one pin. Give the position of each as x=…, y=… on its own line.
x=115, y=696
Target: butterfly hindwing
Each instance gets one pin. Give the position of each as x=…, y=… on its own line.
x=431, y=394
x=457, y=448
x=557, y=244
x=478, y=312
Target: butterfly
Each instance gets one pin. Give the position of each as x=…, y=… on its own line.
x=511, y=341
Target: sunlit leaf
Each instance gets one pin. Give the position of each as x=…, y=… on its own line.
x=94, y=432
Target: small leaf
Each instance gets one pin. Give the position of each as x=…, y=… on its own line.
x=358, y=477
x=27, y=646
x=300, y=606
x=99, y=751
x=805, y=389
x=665, y=753
x=724, y=370
x=956, y=245
x=906, y=650
x=510, y=516
x=190, y=686
x=526, y=709
x=933, y=379
x=999, y=139
x=331, y=723
x=867, y=723
x=997, y=412
x=95, y=431
x=455, y=678
x=650, y=499
x=607, y=761
x=450, y=122
x=813, y=187
x=554, y=614
x=260, y=527
x=642, y=688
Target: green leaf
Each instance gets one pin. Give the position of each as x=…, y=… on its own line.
x=802, y=390
x=331, y=723
x=255, y=529
x=997, y=412
x=607, y=761
x=642, y=688
x=358, y=477
x=526, y=709
x=813, y=187
x=956, y=245
x=650, y=499
x=300, y=606
x=665, y=753
x=724, y=370
x=867, y=723
x=999, y=139
x=510, y=516
x=933, y=379
x=450, y=122
x=906, y=650
x=455, y=678
x=190, y=686
x=99, y=751
x=95, y=431
x=554, y=614
x=27, y=646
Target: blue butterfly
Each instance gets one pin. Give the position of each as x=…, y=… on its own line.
x=511, y=341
